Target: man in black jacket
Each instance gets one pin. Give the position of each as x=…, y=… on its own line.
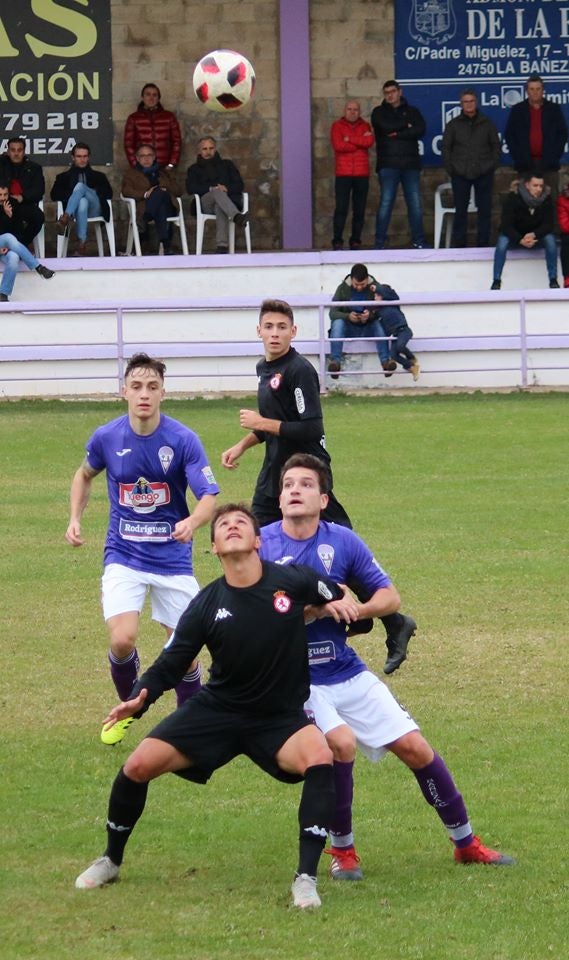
x=536, y=133
x=84, y=193
x=27, y=187
x=527, y=222
x=219, y=185
x=398, y=129
x=471, y=153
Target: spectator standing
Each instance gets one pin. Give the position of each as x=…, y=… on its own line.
x=155, y=190
x=356, y=321
x=563, y=220
x=351, y=139
x=527, y=221
x=219, y=185
x=398, y=128
x=151, y=123
x=26, y=186
x=83, y=192
x=471, y=153
x=536, y=133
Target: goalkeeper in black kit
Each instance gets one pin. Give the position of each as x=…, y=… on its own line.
x=252, y=704
x=289, y=420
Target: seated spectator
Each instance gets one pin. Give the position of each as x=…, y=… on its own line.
x=83, y=192
x=395, y=325
x=356, y=321
x=351, y=139
x=11, y=252
x=527, y=222
x=151, y=123
x=219, y=185
x=27, y=187
x=155, y=190
x=563, y=220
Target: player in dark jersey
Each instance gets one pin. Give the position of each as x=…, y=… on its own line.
x=150, y=460
x=348, y=702
x=289, y=421
x=252, y=621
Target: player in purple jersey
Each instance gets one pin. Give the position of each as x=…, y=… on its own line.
x=349, y=703
x=150, y=460
x=252, y=704
x=289, y=421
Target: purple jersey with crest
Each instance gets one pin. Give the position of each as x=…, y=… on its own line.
x=344, y=557
x=147, y=479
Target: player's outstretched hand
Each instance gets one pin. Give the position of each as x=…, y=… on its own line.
x=73, y=535
x=127, y=708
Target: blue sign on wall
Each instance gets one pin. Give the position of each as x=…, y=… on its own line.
x=493, y=46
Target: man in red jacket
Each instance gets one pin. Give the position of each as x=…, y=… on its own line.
x=351, y=139
x=151, y=123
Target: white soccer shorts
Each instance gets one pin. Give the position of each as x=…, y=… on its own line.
x=124, y=590
x=367, y=706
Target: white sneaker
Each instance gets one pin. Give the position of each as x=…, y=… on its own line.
x=304, y=892
x=100, y=872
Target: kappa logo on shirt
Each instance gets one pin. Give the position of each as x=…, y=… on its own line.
x=222, y=614
x=281, y=603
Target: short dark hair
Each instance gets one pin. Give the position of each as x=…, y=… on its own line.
x=276, y=306
x=141, y=361
x=391, y=83
x=359, y=272
x=148, y=86
x=468, y=92
x=309, y=462
x=534, y=78
x=145, y=146
x=226, y=508
x=207, y=137
x=17, y=140
x=532, y=175
x=80, y=145
x=4, y=185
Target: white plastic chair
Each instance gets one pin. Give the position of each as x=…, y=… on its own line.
x=63, y=239
x=133, y=237
x=441, y=212
x=39, y=239
x=202, y=217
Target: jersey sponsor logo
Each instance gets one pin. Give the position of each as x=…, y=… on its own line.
x=276, y=381
x=324, y=591
x=321, y=652
x=222, y=614
x=281, y=603
x=144, y=496
x=284, y=560
x=125, y=450
x=141, y=530
x=208, y=474
x=326, y=554
x=165, y=455
x=299, y=400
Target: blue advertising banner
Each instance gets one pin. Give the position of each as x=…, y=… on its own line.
x=55, y=77
x=493, y=46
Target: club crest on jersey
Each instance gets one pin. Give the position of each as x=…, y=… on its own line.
x=275, y=381
x=326, y=554
x=282, y=603
x=143, y=496
x=299, y=400
x=166, y=455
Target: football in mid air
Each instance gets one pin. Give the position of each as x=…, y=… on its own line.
x=224, y=80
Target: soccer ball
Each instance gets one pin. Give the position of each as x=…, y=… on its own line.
x=224, y=80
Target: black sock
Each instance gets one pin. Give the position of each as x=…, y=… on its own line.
x=314, y=815
x=126, y=804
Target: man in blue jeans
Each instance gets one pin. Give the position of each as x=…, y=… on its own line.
x=12, y=251
x=398, y=129
x=356, y=321
x=84, y=193
x=527, y=222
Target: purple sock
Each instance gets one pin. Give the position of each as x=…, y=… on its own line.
x=341, y=825
x=124, y=673
x=439, y=790
x=188, y=686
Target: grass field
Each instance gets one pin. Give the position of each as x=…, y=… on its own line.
x=464, y=499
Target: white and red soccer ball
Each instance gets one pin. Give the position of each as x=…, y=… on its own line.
x=224, y=80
